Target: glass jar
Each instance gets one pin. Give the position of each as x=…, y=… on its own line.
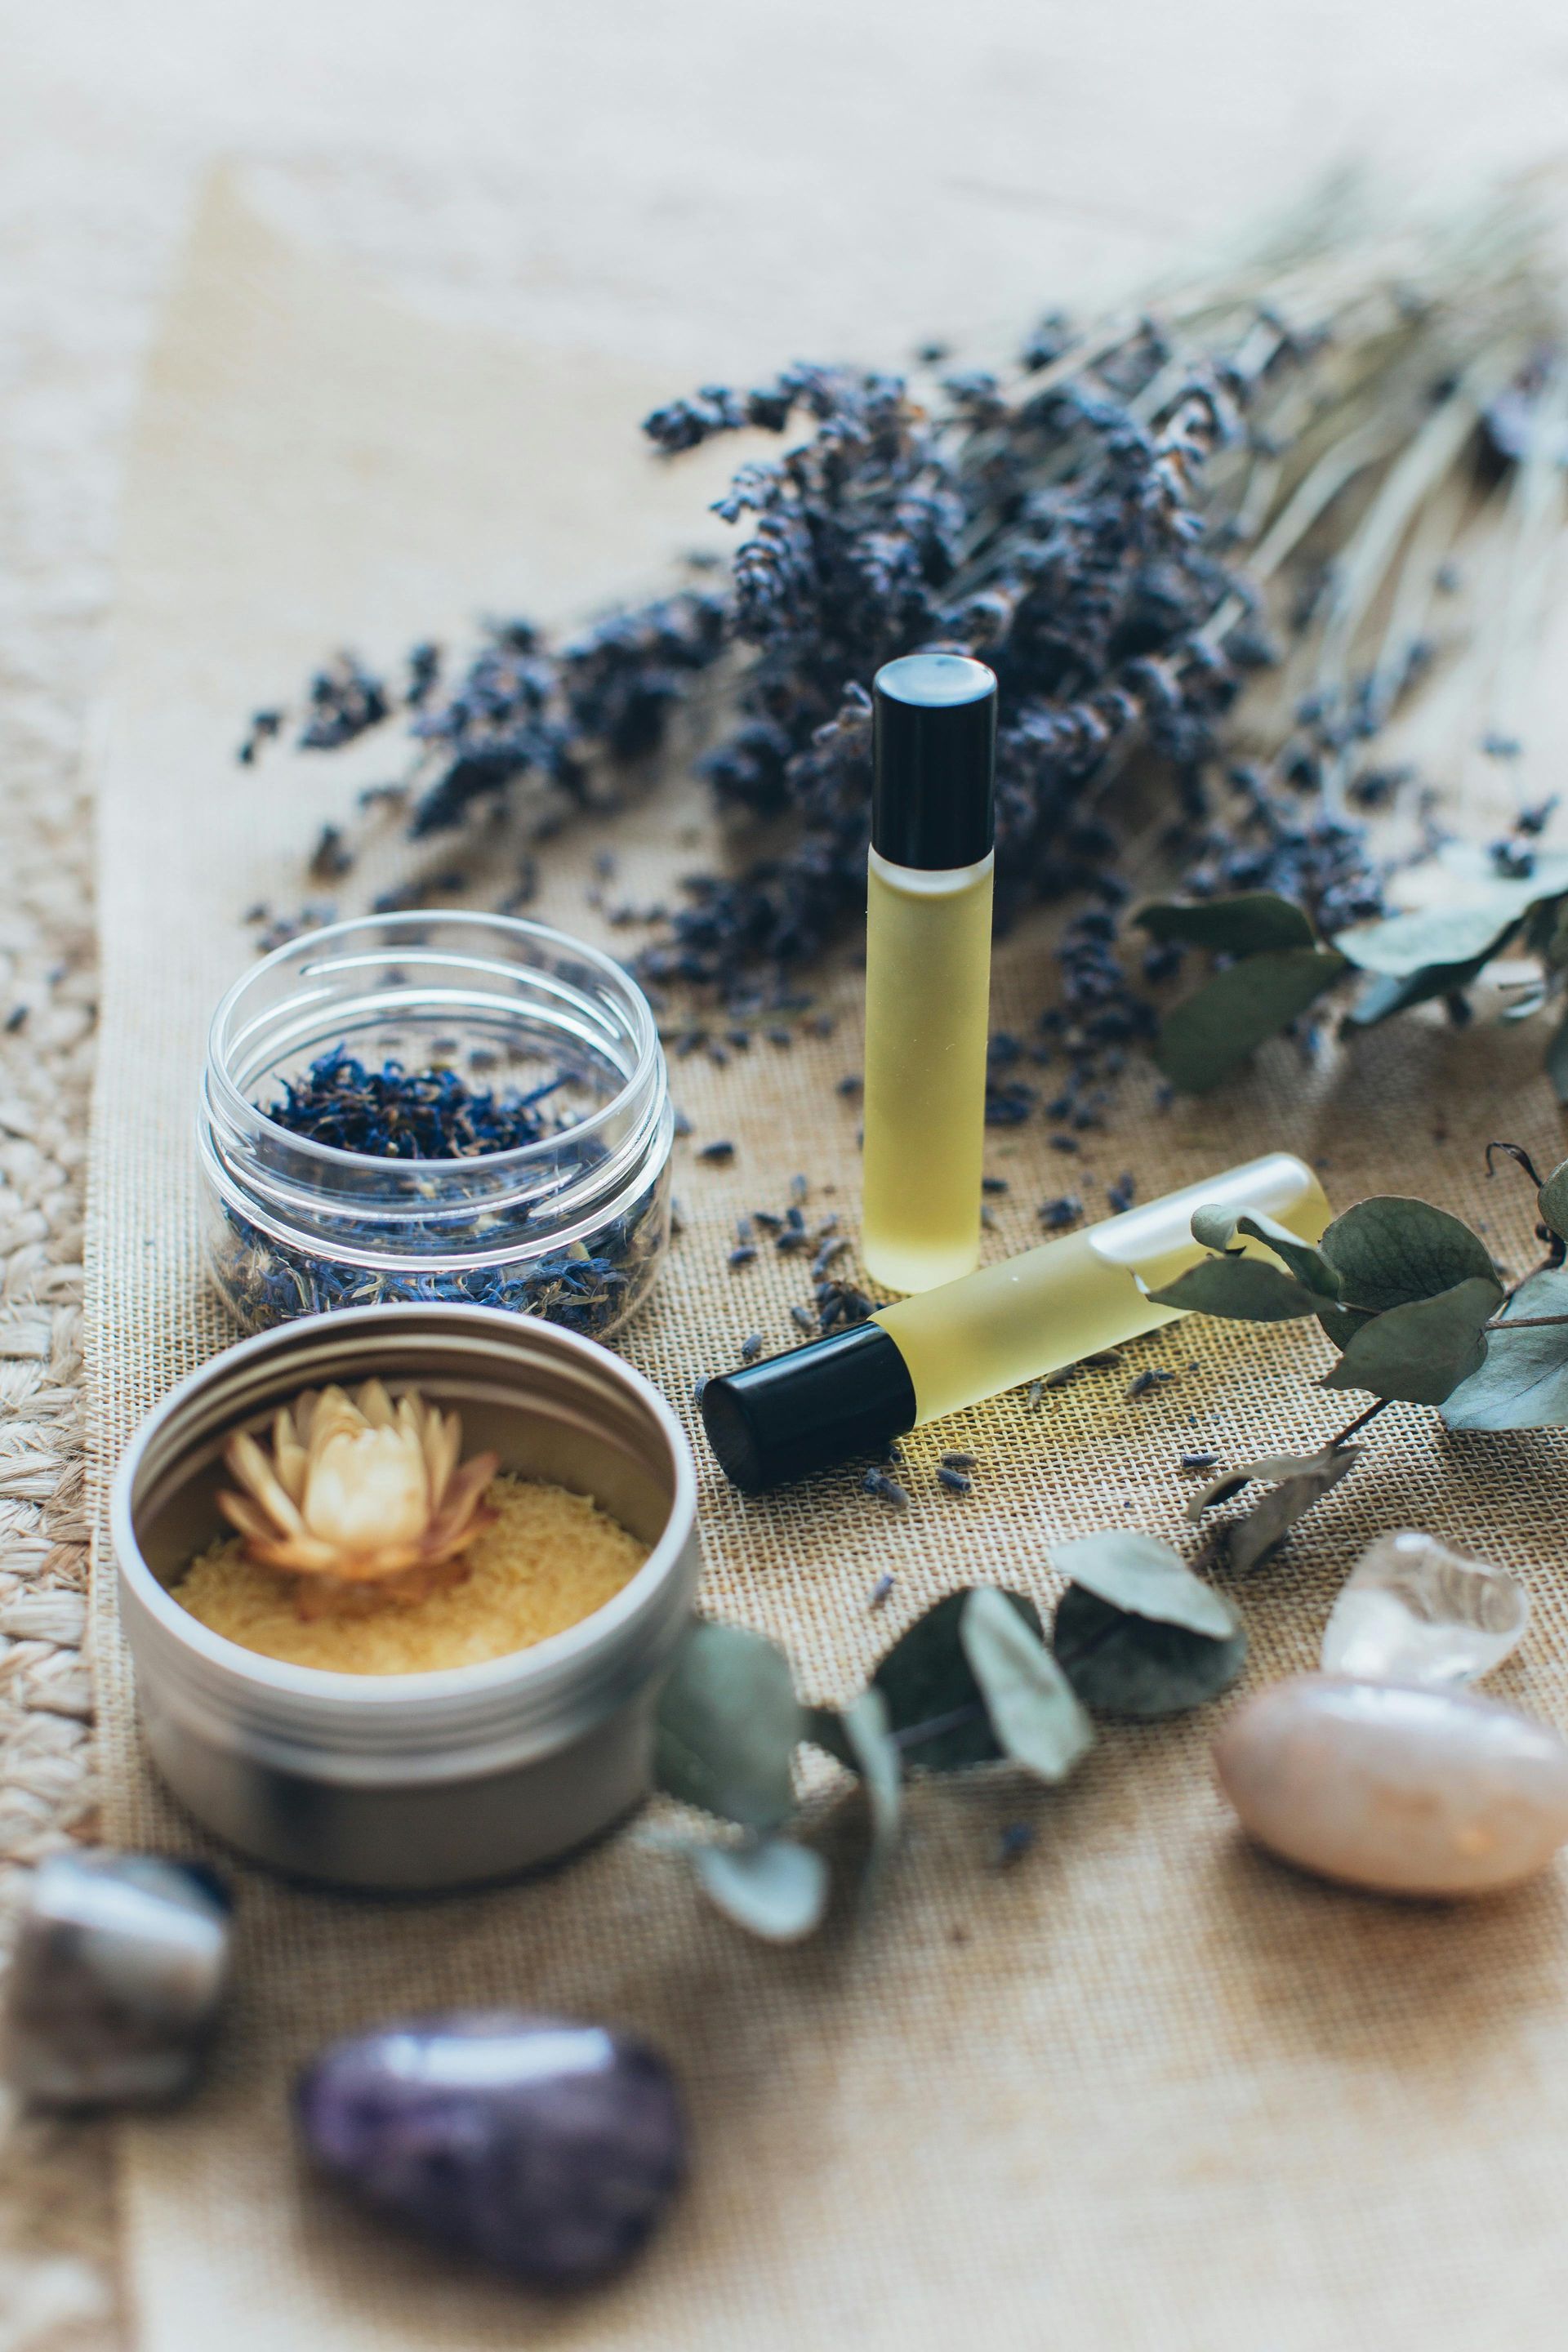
x=570, y=1227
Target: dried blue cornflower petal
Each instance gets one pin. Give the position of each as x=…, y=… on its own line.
x=1058, y=1214
x=1013, y=1842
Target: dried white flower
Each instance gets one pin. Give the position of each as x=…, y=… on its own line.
x=359, y=1490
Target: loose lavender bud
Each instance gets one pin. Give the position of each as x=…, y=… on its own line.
x=717, y=1155
x=957, y=1482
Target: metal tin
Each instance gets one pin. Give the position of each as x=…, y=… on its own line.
x=409, y=1781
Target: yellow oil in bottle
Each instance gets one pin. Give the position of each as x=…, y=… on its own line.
x=1026, y=1316
x=928, y=989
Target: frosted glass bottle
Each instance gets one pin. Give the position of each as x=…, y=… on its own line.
x=928, y=996
x=928, y=967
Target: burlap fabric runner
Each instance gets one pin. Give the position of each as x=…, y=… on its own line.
x=1144, y=2087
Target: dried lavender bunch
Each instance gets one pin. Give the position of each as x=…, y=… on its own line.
x=1170, y=535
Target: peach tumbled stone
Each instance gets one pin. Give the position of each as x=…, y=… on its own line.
x=1411, y=1791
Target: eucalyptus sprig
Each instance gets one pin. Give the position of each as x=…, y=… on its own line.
x=975, y=1680
x=1411, y=1297
x=1274, y=967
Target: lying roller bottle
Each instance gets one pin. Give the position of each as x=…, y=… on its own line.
x=928, y=967
x=1011, y=1322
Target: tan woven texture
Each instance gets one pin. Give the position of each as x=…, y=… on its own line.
x=1143, y=2088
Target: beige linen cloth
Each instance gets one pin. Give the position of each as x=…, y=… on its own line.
x=1144, y=2087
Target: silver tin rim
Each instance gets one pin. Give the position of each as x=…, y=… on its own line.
x=369, y=1728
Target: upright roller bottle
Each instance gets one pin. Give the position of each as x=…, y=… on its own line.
x=928, y=968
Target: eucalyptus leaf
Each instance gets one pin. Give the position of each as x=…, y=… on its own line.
x=1144, y=1577
x=728, y=1725
x=1399, y=946
x=1247, y=924
x=1389, y=1250
x=1243, y=1290
x=1557, y=1060
x=1523, y=1382
x=874, y=1756
x=1421, y=1351
x=1033, y=1710
x=1270, y=1470
x=774, y=1888
x=926, y=1680
x=825, y=1728
x=1382, y=998
x=1553, y=1201
x=1252, y=1537
x=1133, y=1666
x=1218, y=1229
x=1209, y=1035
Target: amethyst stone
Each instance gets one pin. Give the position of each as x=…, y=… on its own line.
x=547, y=2147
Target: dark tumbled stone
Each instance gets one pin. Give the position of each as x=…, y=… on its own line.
x=120, y=1968
x=549, y=2148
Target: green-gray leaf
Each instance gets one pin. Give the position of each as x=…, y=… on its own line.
x=1400, y=946
x=1218, y=1229
x=728, y=1725
x=1382, y=998
x=1211, y=1034
x=1034, y=1711
x=874, y=1756
x=1389, y=1250
x=774, y=1889
x=926, y=1679
x=1268, y=1469
x=1303, y=1480
x=1557, y=1060
x=1133, y=1666
x=1420, y=1352
x=1247, y=924
x=1523, y=1381
x=1144, y=1577
x=1553, y=1201
x=1244, y=1289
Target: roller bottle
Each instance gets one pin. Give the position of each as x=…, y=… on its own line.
x=1011, y=1322
x=928, y=968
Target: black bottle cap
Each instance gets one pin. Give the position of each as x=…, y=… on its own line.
x=848, y=1394
x=933, y=735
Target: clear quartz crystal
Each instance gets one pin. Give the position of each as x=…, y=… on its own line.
x=1411, y=1611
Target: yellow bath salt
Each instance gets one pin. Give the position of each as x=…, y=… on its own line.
x=549, y=1559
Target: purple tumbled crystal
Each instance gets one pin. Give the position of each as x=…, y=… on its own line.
x=544, y=2146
